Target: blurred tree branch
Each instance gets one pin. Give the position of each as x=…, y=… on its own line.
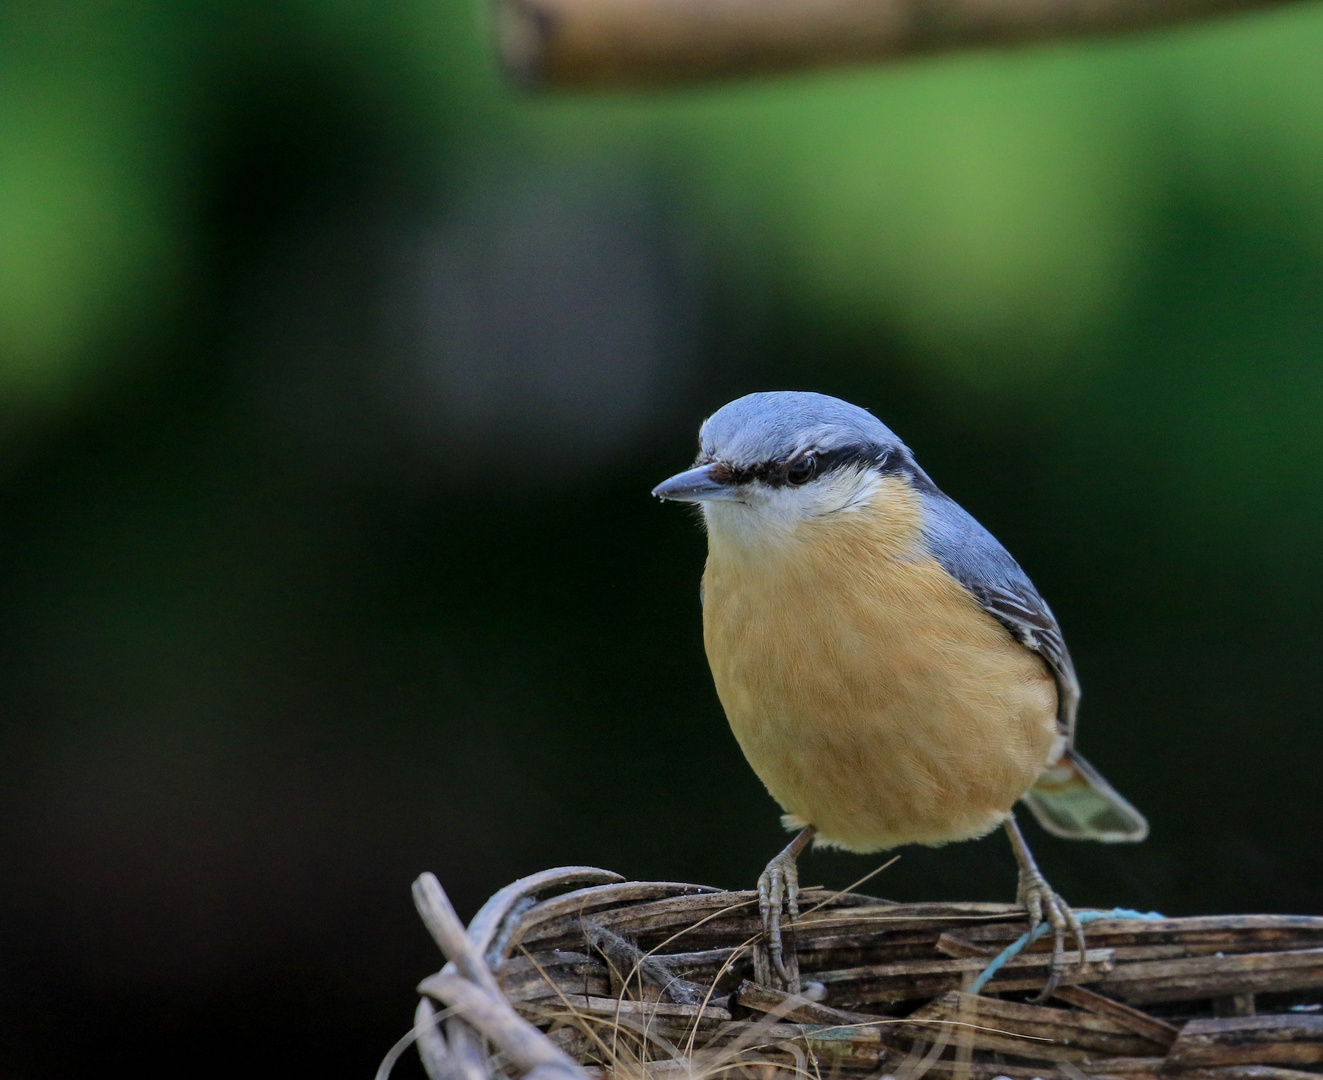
x=656, y=42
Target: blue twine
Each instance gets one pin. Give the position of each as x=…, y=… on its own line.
x=1013, y=949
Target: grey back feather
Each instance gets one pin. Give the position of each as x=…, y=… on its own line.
x=975, y=558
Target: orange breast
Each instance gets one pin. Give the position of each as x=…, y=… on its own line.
x=867, y=688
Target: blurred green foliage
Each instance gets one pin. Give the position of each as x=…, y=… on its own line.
x=999, y=211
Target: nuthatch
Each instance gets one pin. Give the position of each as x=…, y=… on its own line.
x=890, y=672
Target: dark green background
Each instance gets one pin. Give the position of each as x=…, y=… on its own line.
x=333, y=380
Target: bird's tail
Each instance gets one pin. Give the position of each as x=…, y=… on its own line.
x=1072, y=800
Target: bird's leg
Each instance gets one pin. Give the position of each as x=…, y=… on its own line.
x=778, y=885
x=1039, y=900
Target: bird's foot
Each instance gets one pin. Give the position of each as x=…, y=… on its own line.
x=1041, y=902
x=778, y=888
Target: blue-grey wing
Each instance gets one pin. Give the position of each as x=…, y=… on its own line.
x=973, y=556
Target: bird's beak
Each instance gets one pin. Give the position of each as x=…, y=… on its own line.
x=695, y=485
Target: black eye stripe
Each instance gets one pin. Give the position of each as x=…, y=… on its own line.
x=783, y=473
x=876, y=457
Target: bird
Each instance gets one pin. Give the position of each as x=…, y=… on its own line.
x=888, y=669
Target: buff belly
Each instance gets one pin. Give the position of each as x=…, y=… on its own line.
x=869, y=691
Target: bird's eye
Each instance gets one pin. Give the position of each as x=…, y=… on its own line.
x=803, y=470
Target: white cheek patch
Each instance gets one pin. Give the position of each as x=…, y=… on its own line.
x=772, y=514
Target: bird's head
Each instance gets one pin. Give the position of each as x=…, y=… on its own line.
x=769, y=461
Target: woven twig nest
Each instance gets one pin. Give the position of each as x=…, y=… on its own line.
x=641, y=978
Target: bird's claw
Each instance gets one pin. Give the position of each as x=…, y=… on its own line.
x=778, y=886
x=1041, y=902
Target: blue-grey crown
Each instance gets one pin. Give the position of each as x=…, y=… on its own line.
x=779, y=425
